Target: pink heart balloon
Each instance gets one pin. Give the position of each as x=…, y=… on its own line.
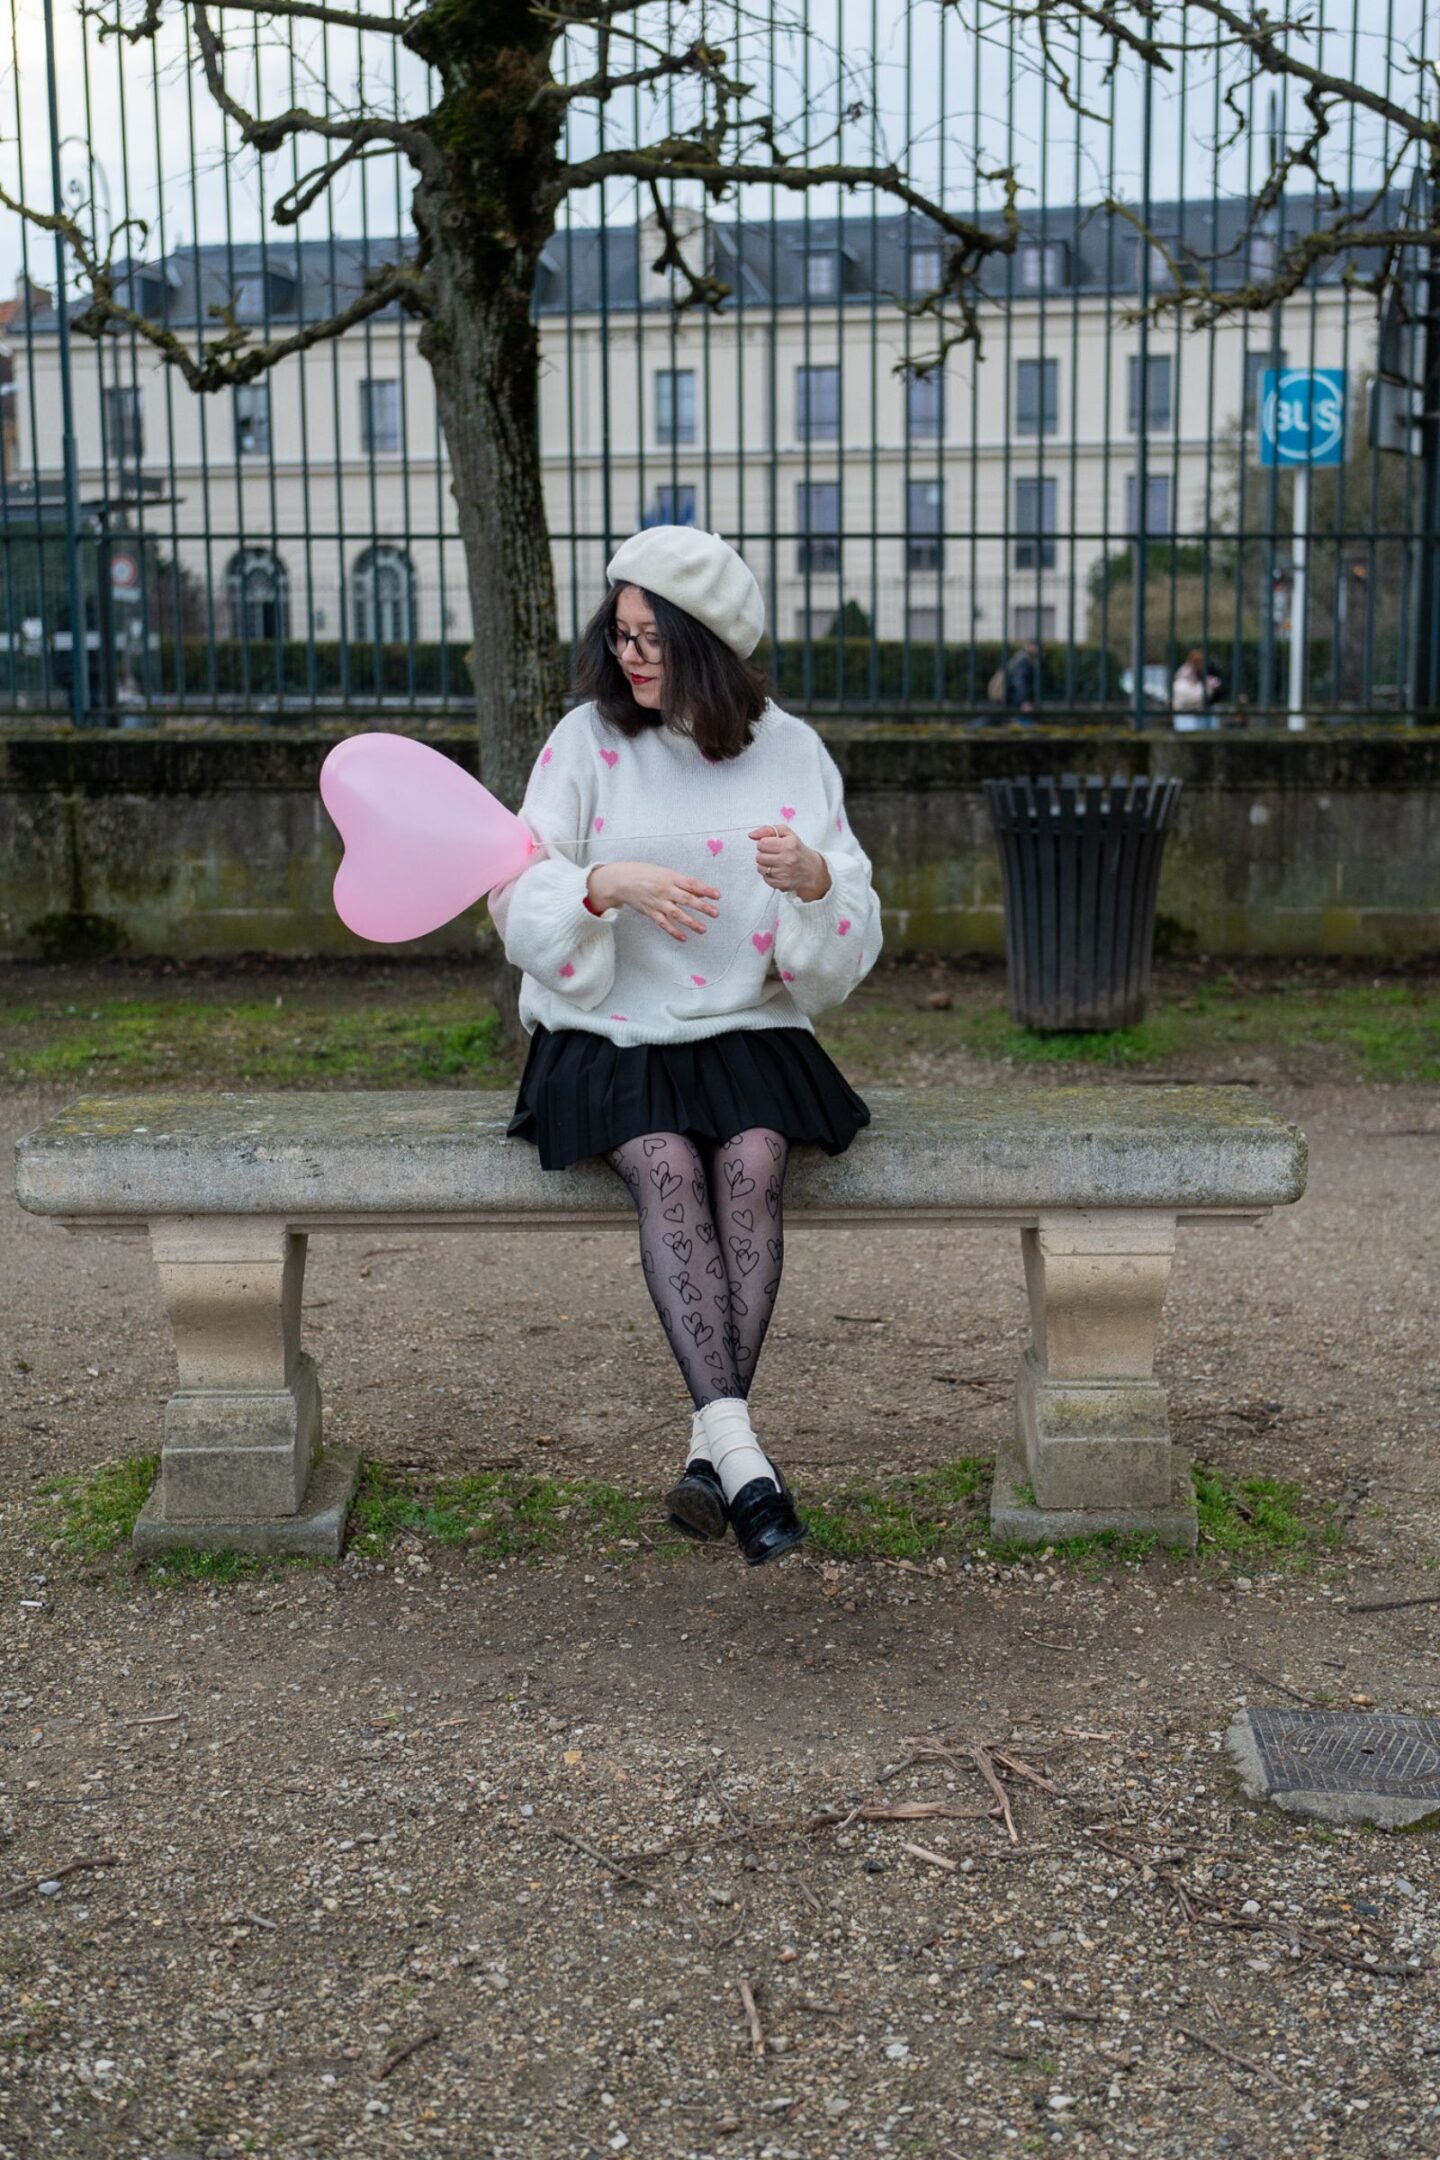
x=423, y=841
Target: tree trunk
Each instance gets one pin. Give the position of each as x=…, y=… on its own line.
x=486, y=365
x=484, y=221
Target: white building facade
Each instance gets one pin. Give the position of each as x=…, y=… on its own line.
x=968, y=504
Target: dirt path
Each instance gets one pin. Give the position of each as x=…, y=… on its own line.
x=340, y=1831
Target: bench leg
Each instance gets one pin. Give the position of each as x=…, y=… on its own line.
x=242, y=1464
x=1092, y=1448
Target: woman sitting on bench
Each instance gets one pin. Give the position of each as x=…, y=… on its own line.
x=698, y=894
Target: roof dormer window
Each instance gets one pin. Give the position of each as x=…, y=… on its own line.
x=927, y=265
x=822, y=273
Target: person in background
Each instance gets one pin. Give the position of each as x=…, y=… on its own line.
x=1197, y=683
x=1022, y=679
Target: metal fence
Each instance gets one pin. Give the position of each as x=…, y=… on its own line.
x=1069, y=520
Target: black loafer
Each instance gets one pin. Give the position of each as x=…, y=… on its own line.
x=764, y=1520
x=696, y=1503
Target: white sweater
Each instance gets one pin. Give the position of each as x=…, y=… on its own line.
x=769, y=959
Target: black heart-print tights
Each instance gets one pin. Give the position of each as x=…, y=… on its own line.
x=712, y=1246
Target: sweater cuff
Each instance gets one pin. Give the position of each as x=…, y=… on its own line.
x=828, y=901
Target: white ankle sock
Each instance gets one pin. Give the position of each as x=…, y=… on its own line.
x=734, y=1450
x=699, y=1445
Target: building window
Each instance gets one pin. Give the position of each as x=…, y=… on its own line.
x=257, y=593
x=259, y=298
x=252, y=419
x=927, y=267
x=383, y=595
x=1037, y=397
x=1033, y=622
x=1255, y=365
x=822, y=273
x=1158, y=405
x=817, y=519
x=675, y=405
x=1260, y=257
x=1157, y=505
x=813, y=624
x=925, y=403
x=924, y=525
x=1042, y=264
x=1160, y=271
x=817, y=403
x=1035, y=522
x=379, y=414
x=672, y=504
x=125, y=422
x=922, y=625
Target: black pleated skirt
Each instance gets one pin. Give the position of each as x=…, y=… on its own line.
x=581, y=1094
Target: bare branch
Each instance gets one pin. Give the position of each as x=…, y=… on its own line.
x=1258, y=35
x=290, y=206
x=698, y=59
x=232, y=359
x=339, y=18
x=675, y=161
x=705, y=288
x=269, y=134
x=316, y=11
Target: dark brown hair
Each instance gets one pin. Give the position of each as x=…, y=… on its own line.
x=711, y=694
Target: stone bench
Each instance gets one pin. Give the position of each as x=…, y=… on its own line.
x=228, y=1188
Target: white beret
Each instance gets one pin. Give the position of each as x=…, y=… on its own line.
x=699, y=572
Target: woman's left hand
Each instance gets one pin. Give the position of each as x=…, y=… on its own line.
x=784, y=862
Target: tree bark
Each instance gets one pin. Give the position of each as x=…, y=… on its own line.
x=485, y=366
x=484, y=222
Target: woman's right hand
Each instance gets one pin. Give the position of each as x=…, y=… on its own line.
x=665, y=896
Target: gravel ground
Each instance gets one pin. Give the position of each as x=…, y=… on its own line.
x=552, y=1825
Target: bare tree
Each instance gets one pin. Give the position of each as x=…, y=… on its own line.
x=490, y=179
x=1242, y=50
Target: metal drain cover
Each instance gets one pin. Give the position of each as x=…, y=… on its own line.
x=1341, y=1765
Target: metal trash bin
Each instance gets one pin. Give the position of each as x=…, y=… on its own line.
x=1081, y=862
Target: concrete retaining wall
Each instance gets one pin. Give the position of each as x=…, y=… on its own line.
x=213, y=843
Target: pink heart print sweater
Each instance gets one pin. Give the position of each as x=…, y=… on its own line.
x=769, y=959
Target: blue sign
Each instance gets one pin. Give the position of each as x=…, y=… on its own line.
x=1302, y=416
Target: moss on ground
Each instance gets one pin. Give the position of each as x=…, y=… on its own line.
x=427, y=1025
x=125, y=1041
x=505, y=1515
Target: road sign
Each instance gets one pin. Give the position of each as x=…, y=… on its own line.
x=124, y=575
x=1302, y=416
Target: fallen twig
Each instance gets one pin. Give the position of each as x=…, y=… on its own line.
x=903, y=1811
x=1231, y=2055
x=1023, y=1770
x=1399, y=1604
x=987, y=1771
x=752, y=2016
x=71, y=1867
x=403, y=2054
x=894, y=1770
x=1269, y=1680
x=934, y=1859
x=166, y=1717
x=614, y=1866
x=1388, y=1968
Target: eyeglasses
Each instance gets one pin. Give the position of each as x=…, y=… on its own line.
x=648, y=645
